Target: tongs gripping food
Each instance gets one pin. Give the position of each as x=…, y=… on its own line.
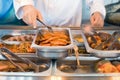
x=49, y=28
x=24, y=60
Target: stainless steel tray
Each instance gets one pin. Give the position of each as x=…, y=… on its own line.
x=53, y=51
x=86, y=61
x=101, y=53
x=4, y=32
x=46, y=72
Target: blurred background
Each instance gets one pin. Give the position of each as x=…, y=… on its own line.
x=113, y=12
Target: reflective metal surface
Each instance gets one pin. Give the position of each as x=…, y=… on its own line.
x=67, y=67
x=101, y=53
x=55, y=74
x=53, y=52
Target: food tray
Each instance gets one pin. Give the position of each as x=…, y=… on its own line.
x=43, y=72
x=53, y=51
x=7, y=33
x=86, y=61
x=101, y=53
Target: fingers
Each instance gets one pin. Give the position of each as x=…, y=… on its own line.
x=30, y=16
x=97, y=20
x=30, y=19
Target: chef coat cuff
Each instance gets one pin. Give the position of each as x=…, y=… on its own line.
x=18, y=4
x=98, y=8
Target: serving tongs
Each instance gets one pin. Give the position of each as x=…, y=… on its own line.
x=80, y=68
x=89, y=30
x=8, y=55
x=48, y=27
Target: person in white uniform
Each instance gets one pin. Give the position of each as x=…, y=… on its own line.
x=59, y=12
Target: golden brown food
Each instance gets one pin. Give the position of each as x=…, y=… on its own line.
x=117, y=65
x=94, y=40
x=6, y=66
x=104, y=36
x=78, y=38
x=104, y=41
x=57, y=38
x=106, y=66
x=23, y=47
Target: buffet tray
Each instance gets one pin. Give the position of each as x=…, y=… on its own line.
x=53, y=52
x=46, y=72
x=100, y=53
x=4, y=32
x=86, y=61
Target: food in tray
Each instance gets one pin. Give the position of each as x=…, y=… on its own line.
x=106, y=66
x=117, y=65
x=23, y=47
x=6, y=66
x=104, y=41
x=67, y=68
x=57, y=38
x=78, y=38
x=27, y=37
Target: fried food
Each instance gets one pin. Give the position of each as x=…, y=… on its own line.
x=23, y=47
x=78, y=38
x=6, y=66
x=57, y=38
x=106, y=66
x=117, y=64
x=104, y=41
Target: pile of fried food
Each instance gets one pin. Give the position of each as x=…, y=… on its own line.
x=106, y=66
x=6, y=66
x=57, y=38
x=23, y=47
x=104, y=40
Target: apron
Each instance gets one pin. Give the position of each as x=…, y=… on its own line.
x=60, y=12
x=7, y=13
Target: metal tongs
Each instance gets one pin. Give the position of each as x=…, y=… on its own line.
x=114, y=37
x=7, y=53
x=49, y=28
x=88, y=29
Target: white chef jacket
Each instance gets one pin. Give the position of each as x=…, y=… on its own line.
x=60, y=12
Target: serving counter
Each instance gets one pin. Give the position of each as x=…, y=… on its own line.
x=54, y=71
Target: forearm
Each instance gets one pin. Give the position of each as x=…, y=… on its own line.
x=97, y=6
x=18, y=4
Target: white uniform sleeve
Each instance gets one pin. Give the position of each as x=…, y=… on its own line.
x=96, y=5
x=18, y=4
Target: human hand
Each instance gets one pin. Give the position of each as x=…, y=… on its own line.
x=30, y=15
x=97, y=20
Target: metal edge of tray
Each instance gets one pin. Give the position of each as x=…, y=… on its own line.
x=19, y=32
x=57, y=72
x=27, y=55
x=100, y=53
x=54, y=47
x=4, y=32
x=31, y=74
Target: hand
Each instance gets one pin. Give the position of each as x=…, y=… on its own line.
x=30, y=15
x=97, y=20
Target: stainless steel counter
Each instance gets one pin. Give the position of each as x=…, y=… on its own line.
x=26, y=76
x=57, y=78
